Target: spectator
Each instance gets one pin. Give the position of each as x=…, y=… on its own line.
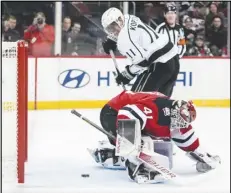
x=5, y=28
x=9, y=32
x=222, y=7
x=184, y=7
x=151, y=15
x=75, y=42
x=148, y=12
x=99, y=47
x=40, y=36
x=69, y=36
x=197, y=13
x=217, y=36
x=190, y=33
x=199, y=48
x=85, y=44
x=212, y=12
x=12, y=22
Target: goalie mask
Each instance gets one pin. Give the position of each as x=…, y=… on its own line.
x=182, y=114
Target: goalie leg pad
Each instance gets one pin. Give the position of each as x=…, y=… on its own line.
x=164, y=148
x=139, y=168
x=128, y=141
x=160, y=149
x=141, y=174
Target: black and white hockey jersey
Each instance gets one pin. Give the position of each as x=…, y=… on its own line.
x=142, y=45
x=175, y=35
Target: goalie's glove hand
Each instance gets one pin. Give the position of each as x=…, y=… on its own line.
x=125, y=77
x=108, y=45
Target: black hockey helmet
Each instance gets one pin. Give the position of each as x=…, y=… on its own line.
x=108, y=118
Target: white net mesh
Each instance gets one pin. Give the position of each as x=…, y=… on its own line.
x=9, y=111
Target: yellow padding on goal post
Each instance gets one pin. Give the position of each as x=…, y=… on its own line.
x=47, y=105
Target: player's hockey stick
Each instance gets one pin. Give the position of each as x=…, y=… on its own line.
x=116, y=65
x=93, y=124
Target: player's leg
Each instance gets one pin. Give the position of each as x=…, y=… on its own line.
x=171, y=91
x=167, y=86
x=130, y=144
x=159, y=77
x=108, y=119
x=167, y=89
x=138, y=83
x=146, y=79
x=104, y=154
x=173, y=79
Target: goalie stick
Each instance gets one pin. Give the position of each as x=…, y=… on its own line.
x=147, y=159
x=93, y=124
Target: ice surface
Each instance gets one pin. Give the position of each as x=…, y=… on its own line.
x=58, y=156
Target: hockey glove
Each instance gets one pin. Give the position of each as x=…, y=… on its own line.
x=125, y=77
x=109, y=45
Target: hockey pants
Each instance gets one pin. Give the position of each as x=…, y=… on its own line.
x=160, y=77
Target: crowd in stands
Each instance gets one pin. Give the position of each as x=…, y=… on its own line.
x=73, y=41
x=204, y=24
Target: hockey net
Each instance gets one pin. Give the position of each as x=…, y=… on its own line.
x=14, y=110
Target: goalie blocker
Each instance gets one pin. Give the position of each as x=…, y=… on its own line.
x=134, y=117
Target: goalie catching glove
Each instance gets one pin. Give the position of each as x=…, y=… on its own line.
x=204, y=161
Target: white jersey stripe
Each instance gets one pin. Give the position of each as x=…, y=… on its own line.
x=188, y=142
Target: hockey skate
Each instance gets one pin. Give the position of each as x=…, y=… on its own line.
x=205, y=161
x=105, y=155
x=143, y=175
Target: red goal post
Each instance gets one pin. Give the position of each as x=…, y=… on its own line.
x=14, y=110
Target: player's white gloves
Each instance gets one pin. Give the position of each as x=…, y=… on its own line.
x=125, y=77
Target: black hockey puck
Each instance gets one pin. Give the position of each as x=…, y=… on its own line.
x=85, y=175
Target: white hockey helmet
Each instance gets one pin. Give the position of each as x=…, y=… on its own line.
x=110, y=17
